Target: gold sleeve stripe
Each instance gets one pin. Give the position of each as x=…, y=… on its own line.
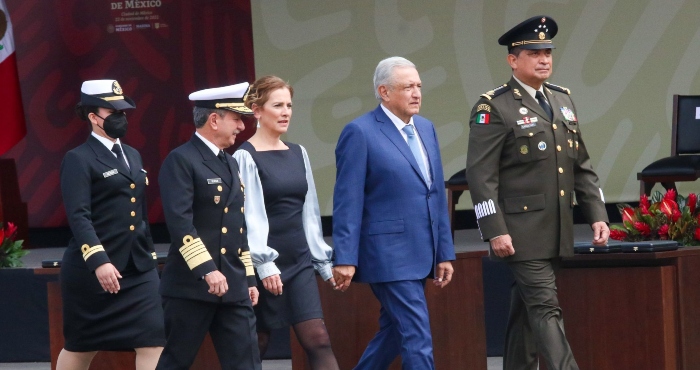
x=89, y=251
x=194, y=252
x=248, y=263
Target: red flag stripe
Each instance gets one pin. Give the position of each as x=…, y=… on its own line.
x=12, y=125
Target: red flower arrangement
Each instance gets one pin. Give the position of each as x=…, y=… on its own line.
x=11, y=251
x=663, y=217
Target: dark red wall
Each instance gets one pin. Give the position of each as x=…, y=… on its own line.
x=59, y=44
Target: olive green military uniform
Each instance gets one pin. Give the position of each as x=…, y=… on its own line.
x=525, y=174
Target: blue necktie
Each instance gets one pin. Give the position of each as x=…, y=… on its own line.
x=415, y=149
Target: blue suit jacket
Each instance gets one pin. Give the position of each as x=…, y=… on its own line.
x=386, y=221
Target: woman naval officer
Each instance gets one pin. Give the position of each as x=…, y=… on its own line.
x=109, y=281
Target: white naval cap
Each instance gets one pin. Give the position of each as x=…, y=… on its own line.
x=230, y=97
x=105, y=93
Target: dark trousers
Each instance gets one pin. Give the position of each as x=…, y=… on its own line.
x=404, y=328
x=536, y=323
x=232, y=329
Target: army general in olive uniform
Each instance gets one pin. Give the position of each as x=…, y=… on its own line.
x=527, y=166
x=208, y=283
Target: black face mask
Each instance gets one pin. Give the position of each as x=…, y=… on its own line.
x=115, y=125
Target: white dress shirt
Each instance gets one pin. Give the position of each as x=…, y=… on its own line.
x=109, y=144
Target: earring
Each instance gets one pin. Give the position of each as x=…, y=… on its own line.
x=258, y=125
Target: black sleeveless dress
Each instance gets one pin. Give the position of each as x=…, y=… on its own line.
x=283, y=178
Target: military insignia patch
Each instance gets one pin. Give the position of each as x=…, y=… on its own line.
x=527, y=122
x=542, y=145
x=110, y=173
x=568, y=113
x=523, y=149
x=483, y=107
x=522, y=110
x=516, y=92
x=483, y=118
x=116, y=88
x=217, y=199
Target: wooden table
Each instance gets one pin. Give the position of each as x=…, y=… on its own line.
x=633, y=311
x=456, y=320
x=206, y=358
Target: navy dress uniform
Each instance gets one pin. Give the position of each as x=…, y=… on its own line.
x=203, y=200
x=104, y=198
x=527, y=166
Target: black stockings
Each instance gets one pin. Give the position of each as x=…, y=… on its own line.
x=313, y=337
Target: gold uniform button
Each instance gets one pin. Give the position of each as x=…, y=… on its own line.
x=554, y=126
x=219, y=188
x=131, y=227
x=561, y=170
x=525, y=208
x=133, y=214
x=224, y=230
x=530, y=134
x=574, y=131
x=561, y=193
x=133, y=200
x=223, y=250
x=226, y=210
x=241, y=230
x=558, y=148
x=133, y=186
x=242, y=209
x=239, y=251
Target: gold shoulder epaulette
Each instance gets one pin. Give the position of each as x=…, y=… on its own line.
x=558, y=88
x=496, y=92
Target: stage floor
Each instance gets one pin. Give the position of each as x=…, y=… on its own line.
x=494, y=363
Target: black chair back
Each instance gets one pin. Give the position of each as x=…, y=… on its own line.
x=686, y=125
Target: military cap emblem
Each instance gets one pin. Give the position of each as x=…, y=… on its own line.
x=534, y=33
x=116, y=88
x=523, y=149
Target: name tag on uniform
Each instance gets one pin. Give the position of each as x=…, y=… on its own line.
x=110, y=173
x=214, y=181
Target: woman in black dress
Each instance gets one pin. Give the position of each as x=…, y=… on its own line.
x=284, y=226
x=109, y=281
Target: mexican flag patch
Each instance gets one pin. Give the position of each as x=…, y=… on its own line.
x=482, y=118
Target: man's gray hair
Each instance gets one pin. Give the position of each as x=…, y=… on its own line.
x=384, y=74
x=202, y=114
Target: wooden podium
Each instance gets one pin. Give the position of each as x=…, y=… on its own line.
x=206, y=358
x=456, y=320
x=12, y=209
x=629, y=311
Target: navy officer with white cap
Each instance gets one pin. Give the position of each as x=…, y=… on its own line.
x=109, y=281
x=208, y=283
x=527, y=166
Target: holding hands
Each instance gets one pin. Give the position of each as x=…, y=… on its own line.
x=342, y=275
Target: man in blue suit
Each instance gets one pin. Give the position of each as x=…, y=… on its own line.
x=390, y=222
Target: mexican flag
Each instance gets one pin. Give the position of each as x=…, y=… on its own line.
x=12, y=127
